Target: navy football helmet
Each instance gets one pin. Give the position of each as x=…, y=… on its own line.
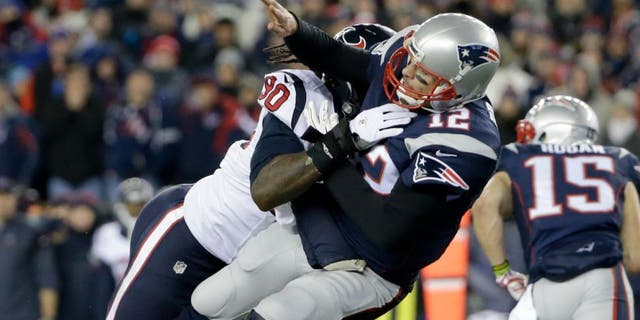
x=364, y=35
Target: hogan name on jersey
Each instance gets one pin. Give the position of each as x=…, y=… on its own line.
x=571, y=149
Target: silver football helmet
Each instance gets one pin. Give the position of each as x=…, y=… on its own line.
x=459, y=51
x=559, y=120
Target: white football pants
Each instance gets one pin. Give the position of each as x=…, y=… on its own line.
x=271, y=274
x=598, y=294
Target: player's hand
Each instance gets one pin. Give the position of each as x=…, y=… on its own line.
x=373, y=125
x=322, y=119
x=281, y=21
x=515, y=283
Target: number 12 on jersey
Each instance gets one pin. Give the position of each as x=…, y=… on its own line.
x=549, y=201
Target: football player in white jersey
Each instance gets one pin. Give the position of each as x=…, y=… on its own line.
x=189, y=232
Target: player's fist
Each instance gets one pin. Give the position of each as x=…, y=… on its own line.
x=281, y=21
x=515, y=283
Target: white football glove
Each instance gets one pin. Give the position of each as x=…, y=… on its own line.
x=375, y=124
x=515, y=283
x=322, y=119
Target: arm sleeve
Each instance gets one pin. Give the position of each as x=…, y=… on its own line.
x=276, y=139
x=321, y=53
x=388, y=221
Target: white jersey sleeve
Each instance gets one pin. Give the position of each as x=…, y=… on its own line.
x=299, y=87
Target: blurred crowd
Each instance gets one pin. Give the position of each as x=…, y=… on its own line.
x=94, y=92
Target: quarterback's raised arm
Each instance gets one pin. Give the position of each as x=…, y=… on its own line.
x=281, y=21
x=316, y=49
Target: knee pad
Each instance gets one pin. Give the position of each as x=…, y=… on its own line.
x=209, y=299
x=279, y=306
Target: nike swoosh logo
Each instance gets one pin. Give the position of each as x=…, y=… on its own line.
x=442, y=154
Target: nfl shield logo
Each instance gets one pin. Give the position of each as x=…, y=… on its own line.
x=179, y=267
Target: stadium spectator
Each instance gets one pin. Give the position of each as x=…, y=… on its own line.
x=208, y=125
x=73, y=137
x=28, y=276
x=227, y=68
x=129, y=30
x=130, y=127
x=161, y=57
x=98, y=32
x=19, y=150
x=49, y=75
x=249, y=111
x=107, y=74
x=622, y=127
x=72, y=246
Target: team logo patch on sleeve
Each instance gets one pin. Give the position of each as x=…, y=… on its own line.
x=430, y=168
x=473, y=55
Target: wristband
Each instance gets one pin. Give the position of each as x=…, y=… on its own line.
x=333, y=148
x=500, y=269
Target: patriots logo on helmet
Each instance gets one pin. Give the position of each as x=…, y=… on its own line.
x=473, y=55
x=430, y=168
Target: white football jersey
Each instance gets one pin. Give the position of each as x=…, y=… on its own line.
x=111, y=247
x=219, y=210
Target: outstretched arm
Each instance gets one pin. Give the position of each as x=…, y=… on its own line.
x=489, y=210
x=495, y=204
x=313, y=47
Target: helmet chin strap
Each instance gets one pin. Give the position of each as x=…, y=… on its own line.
x=436, y=106
x=432, y=106
x=404, y=98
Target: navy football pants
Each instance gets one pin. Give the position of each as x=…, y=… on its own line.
x=166, y=264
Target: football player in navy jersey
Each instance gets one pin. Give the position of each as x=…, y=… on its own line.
x=190, y=231
x=576, y=206
x=394, y=211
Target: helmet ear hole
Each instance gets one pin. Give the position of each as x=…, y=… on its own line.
x=543, y=136
x=592, y=135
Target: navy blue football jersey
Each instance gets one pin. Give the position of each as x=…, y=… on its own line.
x=454, y=152
x=450, y=156
x=567, y=202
